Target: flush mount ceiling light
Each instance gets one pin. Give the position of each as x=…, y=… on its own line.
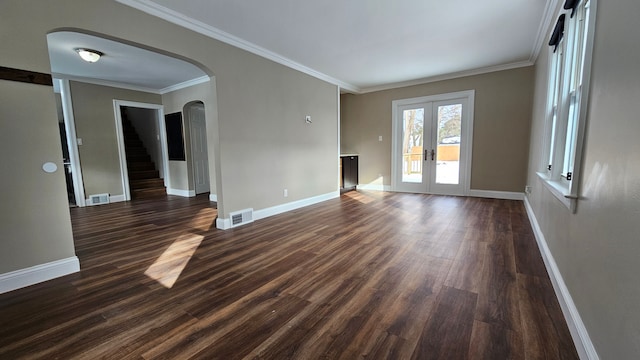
x=89, y=55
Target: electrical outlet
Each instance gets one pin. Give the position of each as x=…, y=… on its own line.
x=527, y=189
x=380, y=138
x=285, y=192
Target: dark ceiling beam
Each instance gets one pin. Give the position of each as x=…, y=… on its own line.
x=26, y=76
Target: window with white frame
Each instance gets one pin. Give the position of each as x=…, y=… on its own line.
x=568, y=78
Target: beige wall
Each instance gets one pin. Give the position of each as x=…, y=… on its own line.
x=500, y=134
x=35, y=226
x=597, y=248
x=257, y=113
x=175, y=101
x=267, y=146
x=96, y=126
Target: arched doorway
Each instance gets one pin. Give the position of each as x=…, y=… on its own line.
x=199, y=151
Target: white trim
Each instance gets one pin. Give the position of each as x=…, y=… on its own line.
x=339, y=165
x=180, y=192
x=185, y=84
x=112, y=199
x=102, y=82
x=579, y=333
x=72, y=141
x=449, y=76
x=550, y=10
x=152, y=8
x=467, y=135
x=39, y=273
x=374, y=187
x=172, y=16
x=213, y=197
x=559, y=190
x=124, y=173
x=125, y=86
x=224, y=224
x=506, y=195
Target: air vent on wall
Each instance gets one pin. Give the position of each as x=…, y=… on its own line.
x=241, y=217
x=99, y=199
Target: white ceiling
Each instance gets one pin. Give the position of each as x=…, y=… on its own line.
x=364, y=45
x=360, y=45
x=122, y=65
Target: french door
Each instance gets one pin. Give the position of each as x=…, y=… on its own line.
x=432, y=144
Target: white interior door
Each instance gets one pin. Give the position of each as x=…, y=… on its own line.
x=432, y=144
x=199, y=149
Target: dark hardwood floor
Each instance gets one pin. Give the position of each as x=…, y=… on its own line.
x=370, y=275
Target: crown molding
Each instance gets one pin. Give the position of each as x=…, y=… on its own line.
x=174, y=17
x=185, y=84
x=551, y=8
x=450, y=76
x=102, y=82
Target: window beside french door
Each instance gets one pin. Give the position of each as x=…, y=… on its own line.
x=432, y=144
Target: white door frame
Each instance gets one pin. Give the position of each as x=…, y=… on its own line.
x=124, y=173
x=72, y=141
x=467, y=134
x=193, y=160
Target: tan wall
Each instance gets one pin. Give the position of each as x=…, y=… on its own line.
x=500, y=133
x=255, y=121
x=597, y=248
x=96, y=126
x=175, y=101
x=268, y=147
x=35, y=226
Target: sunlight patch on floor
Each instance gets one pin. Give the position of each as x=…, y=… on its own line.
x=358, y=196
x=204, y=220
x=168, y=267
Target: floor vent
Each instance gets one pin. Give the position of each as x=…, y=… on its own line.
x=241, y=217
x=99, y=199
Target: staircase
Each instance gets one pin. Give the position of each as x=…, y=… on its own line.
x=144, y=179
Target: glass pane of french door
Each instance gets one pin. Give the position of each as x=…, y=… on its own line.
x=412, y=145
x=432, y=138
x=449, y=125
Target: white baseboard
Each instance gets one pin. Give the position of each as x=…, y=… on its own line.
x=506, y=195
x=112, y=199
x=36, y=274
x=213, y=197
x=225, y=224
x=579, y=333
x=180, y=192
x=116, y=198
x=374, y=187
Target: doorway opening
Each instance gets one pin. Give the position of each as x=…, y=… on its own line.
x=142, y=149
x=432, y=138
x=199, y=150
x=69, y=143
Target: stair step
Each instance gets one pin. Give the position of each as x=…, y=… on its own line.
x=133, y=143
x=138, y=166
x=146, y=183
x=148, y=193
x=138, y=157
x=143, y=174
x=135, y=150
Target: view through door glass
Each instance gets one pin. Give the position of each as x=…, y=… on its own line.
x=449, y=136
x=412, y=145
